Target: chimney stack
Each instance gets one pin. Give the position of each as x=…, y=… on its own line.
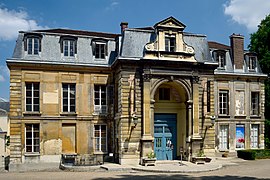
x=123, y=25
x=237, y=46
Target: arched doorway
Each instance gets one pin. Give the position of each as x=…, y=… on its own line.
x=170, y=119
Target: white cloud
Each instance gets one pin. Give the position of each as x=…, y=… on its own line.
x=4, y=73
x=112, y=5
x=248, y=12
x=12, y=21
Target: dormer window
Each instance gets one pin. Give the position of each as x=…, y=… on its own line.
x=99, y=48
x=32, y=44
x=170, y=43
x=68, y=46
x=252, y=63
x=220, y=57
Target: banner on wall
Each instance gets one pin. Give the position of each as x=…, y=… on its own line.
x=240, y=136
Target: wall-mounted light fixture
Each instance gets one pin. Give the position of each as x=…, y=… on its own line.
x=213, y=119
x=135, y=119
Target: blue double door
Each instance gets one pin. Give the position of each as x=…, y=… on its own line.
x=165, y=136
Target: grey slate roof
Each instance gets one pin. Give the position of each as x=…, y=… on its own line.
x=134, y=40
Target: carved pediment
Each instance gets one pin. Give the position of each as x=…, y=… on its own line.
x=170, y=22
x=169, y=42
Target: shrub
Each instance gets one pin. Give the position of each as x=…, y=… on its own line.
x=252, y=154
x=246, y=154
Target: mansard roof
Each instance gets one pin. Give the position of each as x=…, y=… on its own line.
x=216, y=45
x=78, y=32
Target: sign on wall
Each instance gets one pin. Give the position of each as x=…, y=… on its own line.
x=240, y=136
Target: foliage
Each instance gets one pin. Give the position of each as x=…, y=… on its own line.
x=200, y=154
x=252, y=154
x=259, y=43
x=151, y=155
x=246, y=154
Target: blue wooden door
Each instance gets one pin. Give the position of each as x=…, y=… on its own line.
x=165, y=136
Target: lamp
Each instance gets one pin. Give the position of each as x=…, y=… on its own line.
x=135, y=119
x=213, y=118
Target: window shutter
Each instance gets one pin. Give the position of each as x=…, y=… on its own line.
x=61, y=45
x=106, y=49
x=75, y=44
x=39, y=44
x=25, y=44
x=214, y=54
x=94, y=48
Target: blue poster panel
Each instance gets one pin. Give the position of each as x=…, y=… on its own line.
x=240, y=136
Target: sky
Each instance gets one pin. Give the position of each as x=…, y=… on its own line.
x=217, y=19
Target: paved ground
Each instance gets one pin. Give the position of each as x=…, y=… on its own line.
x=259, y=169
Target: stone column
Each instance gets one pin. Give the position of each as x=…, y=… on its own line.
x=147, y=137
x=196, y=106
x=196, y=140
x=189, y=128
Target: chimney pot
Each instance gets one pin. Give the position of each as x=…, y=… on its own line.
x=123, y=25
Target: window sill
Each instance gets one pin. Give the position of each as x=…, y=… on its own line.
x=240, y=116
x=68, y=114
x=223, y=116
x=100, y=152
x=31, y=154
x=27, y=113
x=100, y=59
x=255, y=117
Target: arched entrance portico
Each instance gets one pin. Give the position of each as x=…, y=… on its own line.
x=171, y=118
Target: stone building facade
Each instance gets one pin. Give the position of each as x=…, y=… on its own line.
x=97, y=96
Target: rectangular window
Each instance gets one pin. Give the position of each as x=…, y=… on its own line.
x=69, y=97
x=224, y=102
x=255, y=103
x=252, y=62
x=100, y=50
x=100, y=99
x=101, y=138
x=32, y=138
x=32, y=97
x=254, y=136
x=68, y=48
x=221, y=59
x=164, y=94
x=208, y=96
x=170, y=42
x=223, y=137
x=33, y=45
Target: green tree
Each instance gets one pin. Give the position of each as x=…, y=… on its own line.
x=260, y=43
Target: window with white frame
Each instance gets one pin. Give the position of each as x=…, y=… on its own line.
x=69, y=97
x=170, y=43
x=32, y=138
x=100, y=99
x=69, y=48
x=252, y=62
x=100, y=49
x=33, y=44
x=100, y=138
x=221, y=59
x=254, y=136
x=32, y=97
x=223, y=102
x=255, y=103
x=223, y=137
